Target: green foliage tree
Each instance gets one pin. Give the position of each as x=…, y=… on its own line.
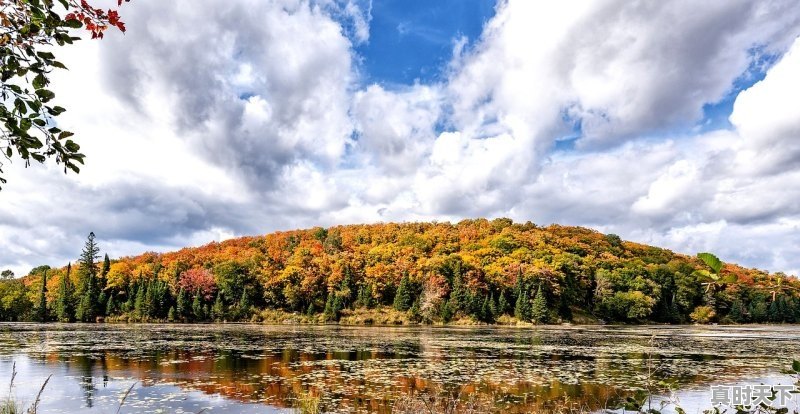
x=218, y=309
x=88, y=291
x=539, y=311
x=28, y=34
x=522, y=308
x=65, y=298
x=403, y=297
x=41, y=311
x=7, y=274
x=15, y=303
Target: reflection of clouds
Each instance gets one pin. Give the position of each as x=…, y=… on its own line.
x=364, y=368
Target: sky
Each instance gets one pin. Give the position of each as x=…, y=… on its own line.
x=673, y=123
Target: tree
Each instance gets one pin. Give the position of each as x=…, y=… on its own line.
x=539, y=312
x=41, y=311
x=27, y=117
x=403, y=299
x=89, y=296
x=522, y=308
x=218, y=310
x=65, y=298
x=7, y=274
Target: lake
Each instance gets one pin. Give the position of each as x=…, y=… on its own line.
x=264, y=369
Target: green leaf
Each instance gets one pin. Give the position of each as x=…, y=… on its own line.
x=46, y=55
x=9, y=153
x=39, y=81
x=73, y=24
x=45, y=95
x=712, y=261
x=796, y=366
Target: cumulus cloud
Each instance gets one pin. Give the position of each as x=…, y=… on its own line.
x=210, y=120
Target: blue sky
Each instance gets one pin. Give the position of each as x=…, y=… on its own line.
x=412, y=40
x=281, y=114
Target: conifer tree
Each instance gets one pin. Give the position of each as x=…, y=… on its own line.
x=110, y=306
x=171, y=314
x=539, y=312
x=218, y=310
x=88, y=305
x=245, y=304
x=182, y=305
x=65, y=299
x=402, y=298
x=198, y=310
x=503, y=306
x=41, y=311
x=522, y=309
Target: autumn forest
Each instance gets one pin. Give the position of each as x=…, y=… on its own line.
x=473, y=272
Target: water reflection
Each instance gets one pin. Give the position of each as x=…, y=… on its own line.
x=365, y=369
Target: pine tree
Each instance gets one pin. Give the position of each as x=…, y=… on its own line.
x=493, y=307
x=328, y=312
x=245, y=304
x=111, y=306
x=486, y=311
x=171, y=314
x=182, y=305
x=139, y=305
x=402, y=299
x=414, y=313
x=539, y=312
x=737, y=313
x=65, y=299
x=218, y=310
x=310, y=311
x=88, y=305
x=459, y=296
x=503, y=305
x=197, y=309
x=106, y=266
x=773, y=312
x=365, y=297
x=522, y=309
x=41, y=312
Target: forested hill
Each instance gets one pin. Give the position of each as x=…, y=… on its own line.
x=475, y=270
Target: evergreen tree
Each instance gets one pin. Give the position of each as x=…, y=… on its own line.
x=245, y=304
x=171, y=314
x=182, y=305
x=414, y=313
x=65, y=299
x=198, y=310
x=459, y=296
x=328, y=312
x=139, y=305
x=737, y=313
x=88, y=305
x=522, y=309
x=494, y=307
x=486, y=314
x=539, y=312
x=310, y=311
x=503, y=307
x=403, y=299
x=218, y=310
x=41, y=311
x=365, y=297
x=111, y=306
x=773, y=312
x=106, y=266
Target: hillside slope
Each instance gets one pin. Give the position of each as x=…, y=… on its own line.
x=475, y=270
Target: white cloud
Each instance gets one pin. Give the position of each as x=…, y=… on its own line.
x=250, y=116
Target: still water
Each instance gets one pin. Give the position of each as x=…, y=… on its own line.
x=265, y=369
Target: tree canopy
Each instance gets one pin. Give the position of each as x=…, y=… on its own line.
x=28, y=33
